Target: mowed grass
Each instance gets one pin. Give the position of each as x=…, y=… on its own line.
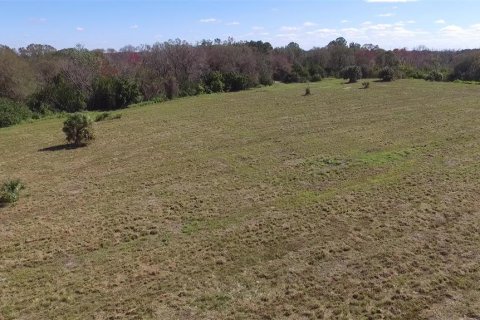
x=264, y=204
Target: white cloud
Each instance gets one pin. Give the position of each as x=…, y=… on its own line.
x=38, y=20
x=309, y=24
x=324, y=33
x=257, y=28
x=386, y=15
x=80, y=29
x=233, y=23
x=440, y=21
x=453, y=31
x=344, y=21
x=209, y=20
x=287, y=35
x=289, y=28
x=135, y=26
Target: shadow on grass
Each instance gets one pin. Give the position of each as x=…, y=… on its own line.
x=60, y=147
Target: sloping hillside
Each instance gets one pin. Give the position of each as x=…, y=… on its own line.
x=264, y=204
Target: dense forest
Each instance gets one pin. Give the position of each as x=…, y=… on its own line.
x=39, y=80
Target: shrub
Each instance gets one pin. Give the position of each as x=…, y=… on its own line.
x=434, y=75
x=10, y=191
x=107, y=116
x=307, y=91
x=78, y=129
x=235, y=81
x=387, y=74
x=265, y=79
x=12, y=112
x=59, y=95
x=113, y=93
x=352, y=73
x=316, y=73
x=214, y=82
x=316, y=77
x=365, y=85
x=172, y=90
x=468, y=68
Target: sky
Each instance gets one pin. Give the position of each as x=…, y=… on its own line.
x=447, y=24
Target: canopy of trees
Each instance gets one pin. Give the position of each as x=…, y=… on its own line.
x=48, y=80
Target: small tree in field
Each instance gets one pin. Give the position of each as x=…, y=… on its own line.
x=352, y=73
x=387, y=74
x=434, y=75
x=10, y=192
x=78, y=129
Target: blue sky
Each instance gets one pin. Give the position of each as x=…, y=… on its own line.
x=391, y=24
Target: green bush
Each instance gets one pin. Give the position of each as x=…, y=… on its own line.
x=316, y=73
x=10, y=191
x=59, y=95
x=307, y=91
x=434, y=75
x=12, y=113
x=214, y=82
x=468, y=68
x=107, y=116
x=235, y=81
x=365, y=85
x=78, y=129
x=352, y=73
x=265, y=79
x=387, y=74
x=109, y=93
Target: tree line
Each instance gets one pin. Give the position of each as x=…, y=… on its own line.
x=38, y=80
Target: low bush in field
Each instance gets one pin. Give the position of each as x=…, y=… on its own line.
x=12, y=113
x=10, y=191
x=78, y=129
x=387, y=74
x=107, y=116
x=113, y=93
x=352, y=73
x=434, y=75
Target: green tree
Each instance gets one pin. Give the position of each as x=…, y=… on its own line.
x=352, y=73
x=78, y=129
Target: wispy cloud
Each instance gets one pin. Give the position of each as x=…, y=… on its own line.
x=284, y=28
x=440, y=21
x=386, y=15
x=257, y=28
x=135, y=26
x=208, y=20
x=344, y=21
x=233, y=23
x=38, y=20
x=324, y=33
x=80, y=29
x=309, y=24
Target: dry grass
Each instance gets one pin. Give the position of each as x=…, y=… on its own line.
x=265, y=204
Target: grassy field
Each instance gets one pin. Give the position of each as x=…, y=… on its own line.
x=264, y=204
